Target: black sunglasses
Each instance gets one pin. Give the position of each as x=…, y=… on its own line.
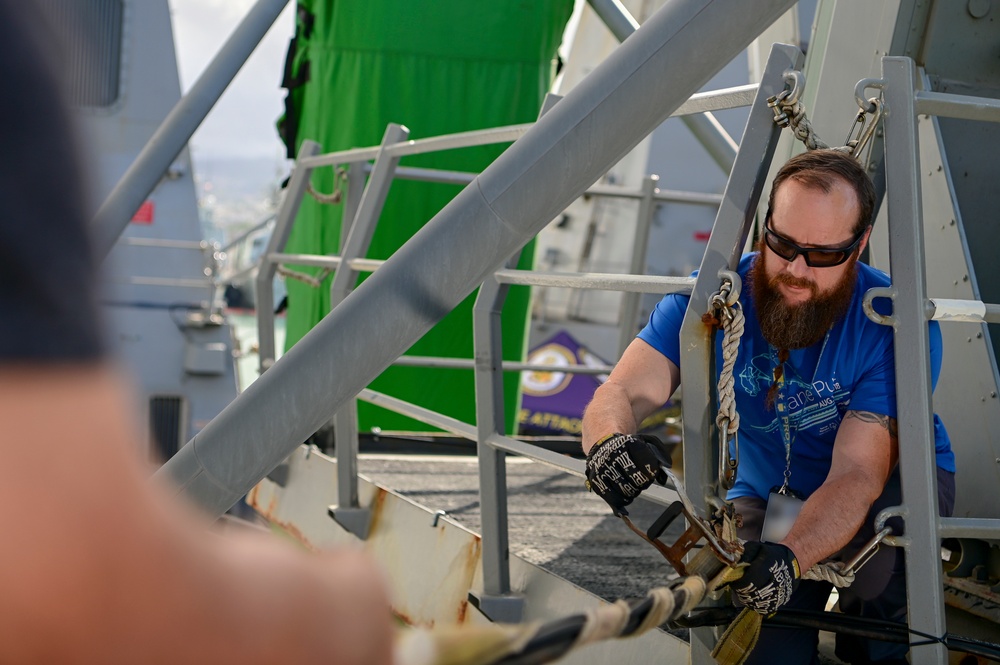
x=815, y=257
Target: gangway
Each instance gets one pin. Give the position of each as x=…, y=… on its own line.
x=252, y=436
x=912, y=308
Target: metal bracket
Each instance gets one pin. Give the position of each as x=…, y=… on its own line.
x=499, y=609
x=884, y=516
x=279, y=475
x=868, y=305
x=355, y=520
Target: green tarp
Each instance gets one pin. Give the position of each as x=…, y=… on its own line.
x=436, y=67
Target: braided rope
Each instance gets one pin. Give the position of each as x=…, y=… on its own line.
x=313, y=281
x=513, y=644
x=728, y=418
x=832, y=572
x=790, y=112
x=802, y=127
x=603, y=623
x=334, y=197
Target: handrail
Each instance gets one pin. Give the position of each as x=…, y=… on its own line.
x=964, y=107
x=469, y=363
x=246, y=234
x=609, y=191
x=360, y=221
x=715, y=100
x=180, y=282
x=165, y=243
x=570, y=465
x=596, y=280
x=935, y=309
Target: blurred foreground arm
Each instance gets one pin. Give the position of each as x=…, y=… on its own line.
x=120, y=572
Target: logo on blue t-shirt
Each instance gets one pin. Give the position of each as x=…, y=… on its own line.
x=809, y=404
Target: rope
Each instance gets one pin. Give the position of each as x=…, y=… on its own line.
x=726, y=313
x=803, y=130
x=313, y=281
x=539, y=643
x=728, y=418
x=790, y=112
x=603, y=623
x=334, y=197
x=830, y=571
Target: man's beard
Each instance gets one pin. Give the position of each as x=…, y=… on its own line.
x=797, y=326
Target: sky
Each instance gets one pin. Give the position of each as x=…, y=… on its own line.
x=236, y=150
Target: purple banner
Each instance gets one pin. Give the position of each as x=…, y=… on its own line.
x=552, y=401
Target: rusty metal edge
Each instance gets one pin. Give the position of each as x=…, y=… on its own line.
x=431, y=562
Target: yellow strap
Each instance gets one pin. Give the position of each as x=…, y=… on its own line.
x=727, y=575
x=739, y=639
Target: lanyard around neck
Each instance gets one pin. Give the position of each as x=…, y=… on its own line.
x=781, y=403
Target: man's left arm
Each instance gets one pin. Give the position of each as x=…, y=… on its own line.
x=864, y=454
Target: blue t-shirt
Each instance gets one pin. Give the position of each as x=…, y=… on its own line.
x=853, y=369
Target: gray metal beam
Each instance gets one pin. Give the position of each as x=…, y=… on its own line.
x=614, y=15
x=359, y=235
x=705, y=127
x=925, y=601
x=714, y=138
x=362, y=226
x=180, y=124
x=725, y=247
x=569, y=148
x=966, y=107
x=496, y=600
x=279, y=238
x=640, y=247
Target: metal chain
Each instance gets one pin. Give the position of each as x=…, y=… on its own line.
x=726, y=308
x=790, y=112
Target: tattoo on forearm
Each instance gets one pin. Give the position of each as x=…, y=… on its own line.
x=884, y=421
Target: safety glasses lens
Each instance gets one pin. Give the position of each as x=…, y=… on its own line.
x=815, y=258
x=825, y=259
x=779, y=246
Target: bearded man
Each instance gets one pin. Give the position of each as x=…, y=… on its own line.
x=816, y=393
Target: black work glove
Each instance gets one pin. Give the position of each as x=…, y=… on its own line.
x=770, y=578
x=620, y=466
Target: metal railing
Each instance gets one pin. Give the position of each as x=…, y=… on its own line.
x=363, y=201
x=362, y=206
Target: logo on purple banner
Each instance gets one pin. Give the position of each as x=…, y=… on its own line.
x=553, y=401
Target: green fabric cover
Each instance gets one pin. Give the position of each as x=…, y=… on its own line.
x=437, y=68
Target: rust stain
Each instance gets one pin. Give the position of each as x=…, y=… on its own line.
x=377, y=507
x=711, y=321
x=410, y=621
x=473, y=554
x=272, y=505
x=294, y=532
x=270, y=515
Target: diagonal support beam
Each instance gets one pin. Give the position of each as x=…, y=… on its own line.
x=180, y=124
x=706, y=128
